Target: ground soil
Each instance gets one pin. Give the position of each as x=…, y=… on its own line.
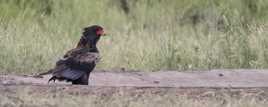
x=191, y=83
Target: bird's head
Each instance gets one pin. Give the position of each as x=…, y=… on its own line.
x=93, y=31
x=91, y=36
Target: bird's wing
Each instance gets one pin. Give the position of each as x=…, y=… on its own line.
x=75, y=63
x=88, y=58
x=63, y=68
x=73, y=52
x=80, y=55
x=69, y=74
x=64, y=71
x=59, y=68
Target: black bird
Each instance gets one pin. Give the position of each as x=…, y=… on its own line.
x=77, y=63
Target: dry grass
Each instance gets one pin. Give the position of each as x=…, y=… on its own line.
x=152, y=35
x=26, y=98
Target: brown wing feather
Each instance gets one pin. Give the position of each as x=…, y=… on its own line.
x=78, y=56
x=73, y=52
x=61, y=64
x=88, y=57
x=75, y=63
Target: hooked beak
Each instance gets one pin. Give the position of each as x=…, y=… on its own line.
x=104, y=34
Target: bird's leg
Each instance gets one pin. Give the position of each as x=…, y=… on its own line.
x=81, y=81
x=52, y=79
x=85, y=80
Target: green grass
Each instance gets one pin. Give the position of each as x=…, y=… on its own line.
x=152, y=35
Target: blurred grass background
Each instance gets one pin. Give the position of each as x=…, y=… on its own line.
x=142, y=34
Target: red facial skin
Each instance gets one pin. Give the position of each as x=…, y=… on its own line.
x=100, y=32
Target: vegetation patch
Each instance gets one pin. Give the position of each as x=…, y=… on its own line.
x=142, y=34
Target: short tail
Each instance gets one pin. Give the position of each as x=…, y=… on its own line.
x=68, y=75
x=41, y=74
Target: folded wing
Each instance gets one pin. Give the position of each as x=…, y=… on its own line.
x=75, y=64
